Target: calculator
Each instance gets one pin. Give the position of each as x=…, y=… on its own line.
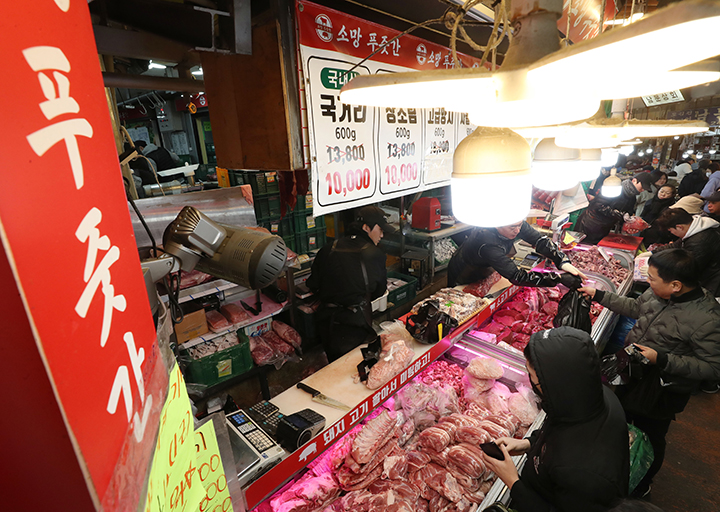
x=267, y=416
x=255, y=452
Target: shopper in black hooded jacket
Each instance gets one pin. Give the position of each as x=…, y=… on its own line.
x=579, y=460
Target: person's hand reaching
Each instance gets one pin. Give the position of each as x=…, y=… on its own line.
x=588, y=292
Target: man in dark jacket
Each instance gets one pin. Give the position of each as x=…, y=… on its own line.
x=604, y=212
x=579, y=460
x=694, y=182
x=491, y=249
x=161, y=158
x=346, y=276
x=700, y=236
x=678, y=331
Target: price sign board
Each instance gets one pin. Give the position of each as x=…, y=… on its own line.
x=342, y=135
x=362, y=155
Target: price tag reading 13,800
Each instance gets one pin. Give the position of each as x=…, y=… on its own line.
x=399, y=149
x=343, y=135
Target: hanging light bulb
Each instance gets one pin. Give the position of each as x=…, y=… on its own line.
x=609, y=157
x=491, y=184
x=553, y=167
x=626, y=150
x=546, y=77
x=641, y=153
x=676, y=137
x=712, y=151
x=612, y=186
x=699, y=155
x=590, y=164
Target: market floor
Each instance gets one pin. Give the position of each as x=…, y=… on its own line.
x=690, y=477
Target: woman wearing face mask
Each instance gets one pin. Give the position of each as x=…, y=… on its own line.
x=491, y=249
x=579, y=459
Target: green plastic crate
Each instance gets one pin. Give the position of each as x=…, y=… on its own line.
x=306, y=222
x=221, y=366
x=272, y=224
x=287, y=227
x=267, y=207
x=406, y=292
x=304, y=203
x=310, y=240
x=290, y=242
x=262, y=183
x=236, y=177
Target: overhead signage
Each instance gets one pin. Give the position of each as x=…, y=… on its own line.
x=584, y=18
x=71, y=246
x=663, y=98
x=710, y=115
x=361, y=155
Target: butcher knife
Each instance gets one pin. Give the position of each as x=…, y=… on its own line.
x=322, y=399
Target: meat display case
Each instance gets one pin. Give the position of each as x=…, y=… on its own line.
x=335, y=380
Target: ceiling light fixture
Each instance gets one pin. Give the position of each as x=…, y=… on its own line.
x=676, y=137
x=155, y=65
x=609, y=157
x=712, y=151
x=198, y=72
x=612, y=186
x=561, y=85
x=555, y=168
x=487, y=162
x=641, y=153
x=590, y=164
x=626, y=150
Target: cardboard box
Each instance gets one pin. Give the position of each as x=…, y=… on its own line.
x=193, y=325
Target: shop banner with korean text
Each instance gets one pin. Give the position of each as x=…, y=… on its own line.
x=66, y=229
x=362, y=155
x=584, y=18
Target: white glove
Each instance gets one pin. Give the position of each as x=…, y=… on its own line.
x=644, y=255
x=571, y=269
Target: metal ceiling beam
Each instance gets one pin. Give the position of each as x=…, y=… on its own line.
x=153, y=83
x=142, y=45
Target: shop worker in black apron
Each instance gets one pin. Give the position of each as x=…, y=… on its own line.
x=346, y=276
x=489, y=249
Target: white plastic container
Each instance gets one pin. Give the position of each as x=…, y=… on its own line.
x=380, y=304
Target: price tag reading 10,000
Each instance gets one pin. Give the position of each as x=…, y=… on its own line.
x=343, y=135
x=399, y=149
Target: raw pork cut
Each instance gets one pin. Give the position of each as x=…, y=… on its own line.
x=395, y=467
x=287, y=333
x=193, y=278
x=261, y=352
x=393, y=359
x=472, y=435
x=277, y=343
x=417, y=460
x=468, y=459
x=217, y=322
x=484, y=368
x=373, y=435
x=234, y=313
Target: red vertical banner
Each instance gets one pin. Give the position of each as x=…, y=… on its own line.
x=584, y=18
x=67, y=233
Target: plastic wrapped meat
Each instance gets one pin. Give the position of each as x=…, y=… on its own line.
x=217, y=322
x=287, y=333
x=520, y=407
x=215, y=345
x=468, y=459
x=193, y=278
x=414, y=397
x=434, y=438
x=307, y=494
x=234, y=313
x=393, y=359
x=277, y=344
x=472, y=435
x=261, y=352
x=484, y=368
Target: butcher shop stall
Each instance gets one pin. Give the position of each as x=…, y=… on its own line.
x=399, y=425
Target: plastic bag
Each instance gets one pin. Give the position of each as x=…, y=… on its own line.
x=393, y=359
x=640, y=269
x=574, y=311
x=641, y=456
x=424, y=325
x=634, y=225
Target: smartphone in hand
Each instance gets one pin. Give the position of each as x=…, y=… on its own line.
x=492, y=450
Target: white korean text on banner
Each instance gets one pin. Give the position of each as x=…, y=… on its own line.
x=362, y=155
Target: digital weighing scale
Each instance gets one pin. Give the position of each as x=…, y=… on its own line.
x=255, y=452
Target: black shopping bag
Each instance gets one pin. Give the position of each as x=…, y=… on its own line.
x=574, y=311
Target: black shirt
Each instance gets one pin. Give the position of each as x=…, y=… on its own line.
x=337, y=276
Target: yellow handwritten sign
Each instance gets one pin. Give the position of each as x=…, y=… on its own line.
x=174, y=483
x=212, y=475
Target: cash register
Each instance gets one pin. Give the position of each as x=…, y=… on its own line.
x=254, y=450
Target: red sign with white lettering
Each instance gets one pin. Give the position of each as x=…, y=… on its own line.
x=584, y=18
x=67, y=232
x=327, y=29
